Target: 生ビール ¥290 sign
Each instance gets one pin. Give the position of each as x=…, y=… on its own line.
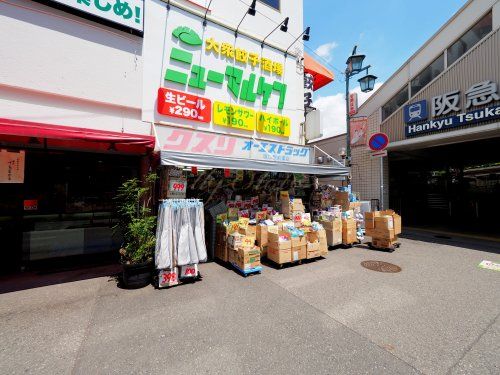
x=188, y=71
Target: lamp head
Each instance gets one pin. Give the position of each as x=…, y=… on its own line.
x=251, y=10
x=306, y=36
x=284, y=25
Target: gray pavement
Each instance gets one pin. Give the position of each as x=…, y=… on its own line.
x=439, y=315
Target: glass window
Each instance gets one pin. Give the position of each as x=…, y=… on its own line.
x=397, y=101
x=427, y=75
x=470, y=38
x=272, y=3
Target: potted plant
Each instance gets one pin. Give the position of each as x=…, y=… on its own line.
x=137, y=226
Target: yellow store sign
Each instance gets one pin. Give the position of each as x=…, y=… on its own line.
x=234, y=116
x=269, y=123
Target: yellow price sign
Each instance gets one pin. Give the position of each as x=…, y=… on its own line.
x=234, y=116
x=270, y=123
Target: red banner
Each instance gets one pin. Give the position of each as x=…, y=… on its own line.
x=179, y=104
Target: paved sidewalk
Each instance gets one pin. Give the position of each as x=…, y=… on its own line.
x=439, y=315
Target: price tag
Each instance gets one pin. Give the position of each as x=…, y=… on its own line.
x=270, y=123
x=233, y=226
x=182, y=105
x=191, y=270
x=167, y=278
x=177, y=188
x=234, y=116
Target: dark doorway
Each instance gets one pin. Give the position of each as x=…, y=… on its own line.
x=454, y=187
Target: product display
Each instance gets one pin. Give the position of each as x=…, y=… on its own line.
x=180, y=239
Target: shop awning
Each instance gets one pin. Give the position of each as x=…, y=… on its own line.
x=28, y=132
x=322, y=76
x=181, y=159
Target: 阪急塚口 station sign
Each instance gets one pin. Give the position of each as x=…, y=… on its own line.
x=483, y=94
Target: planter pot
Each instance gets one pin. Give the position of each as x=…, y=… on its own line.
x=137, y=275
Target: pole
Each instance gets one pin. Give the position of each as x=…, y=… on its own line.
x=381, y=183
x=347, y=119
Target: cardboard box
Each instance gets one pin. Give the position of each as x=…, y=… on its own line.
x=299, y=253
x=349, y=224
x=279, y=256
x=261, y=235
x=333, y=238
x=382, y=243
x=234, y=239
x=323, y=246
x=312, y=236
x=384, y=222
x=370, y=219
x=221, y=251
x=247, y=241
x=250, y=230
x=263, y=251
x=245, y=258
x=335, y=225
x=313, y=250
x=349, y=235
x=397, y=223
x=298, y=241
x=384, y=233
x=369, y=232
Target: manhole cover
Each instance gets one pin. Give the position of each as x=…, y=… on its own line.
x=376, y=265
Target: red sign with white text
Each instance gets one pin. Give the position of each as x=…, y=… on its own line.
x=179, y=104
x=353, y=103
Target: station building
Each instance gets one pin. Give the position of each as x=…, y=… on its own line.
x=441, y=112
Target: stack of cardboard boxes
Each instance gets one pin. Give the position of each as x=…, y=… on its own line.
x=242, y=252
x=279, y=246
x=383, y=227
x=333, y=230
x=349, y=231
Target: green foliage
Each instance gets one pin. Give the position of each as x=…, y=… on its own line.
x=136, y=222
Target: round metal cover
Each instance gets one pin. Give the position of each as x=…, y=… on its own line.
x=379, y=266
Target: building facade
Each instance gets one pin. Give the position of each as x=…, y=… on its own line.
x=441, y=113
x=89, y=90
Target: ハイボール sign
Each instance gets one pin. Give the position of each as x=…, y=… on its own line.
x=126, y=13
x=480, y=94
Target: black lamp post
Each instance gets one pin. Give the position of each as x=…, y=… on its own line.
x=283, y=27
x=355, y=66
x=251, y=11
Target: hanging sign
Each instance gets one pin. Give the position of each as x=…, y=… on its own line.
x=177, y=188
x=353, y=103
x=126, y=13
x=359, y=128
x=30, y=204
x=186, y=106
x=12, y=167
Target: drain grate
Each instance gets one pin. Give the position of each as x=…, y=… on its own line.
x=376, y=265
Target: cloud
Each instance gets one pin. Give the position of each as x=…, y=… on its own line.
x=332, y=109
x=325, y=50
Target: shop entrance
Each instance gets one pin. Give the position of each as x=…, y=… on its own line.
x=454, y=187
x=64, y=209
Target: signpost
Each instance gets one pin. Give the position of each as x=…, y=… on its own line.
x=378, y=143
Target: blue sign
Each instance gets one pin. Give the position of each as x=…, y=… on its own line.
x=468, y=118
x=415, y=112
x=378, y=142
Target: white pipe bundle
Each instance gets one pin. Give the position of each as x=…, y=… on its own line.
x=180, y=234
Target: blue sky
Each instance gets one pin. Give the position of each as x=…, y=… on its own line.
x=388, y=32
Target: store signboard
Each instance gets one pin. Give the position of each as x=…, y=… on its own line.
x=239, y=77
x=445, y=109
x=308, y=90
x=127, y=13
x=208, y=143
x=12, y=167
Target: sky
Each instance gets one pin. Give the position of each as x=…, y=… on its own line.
x=388, y=32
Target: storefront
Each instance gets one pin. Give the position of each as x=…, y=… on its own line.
x=441, y=113
x=70, y=129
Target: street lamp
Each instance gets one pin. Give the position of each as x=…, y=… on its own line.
x=251, y=10
x=355, y=66
x=283, y=27
x=305, y=37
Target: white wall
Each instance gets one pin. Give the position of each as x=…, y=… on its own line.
x=158, y=42
x=61, y=69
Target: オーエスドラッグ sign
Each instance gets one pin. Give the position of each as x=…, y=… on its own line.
x=126, y=13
